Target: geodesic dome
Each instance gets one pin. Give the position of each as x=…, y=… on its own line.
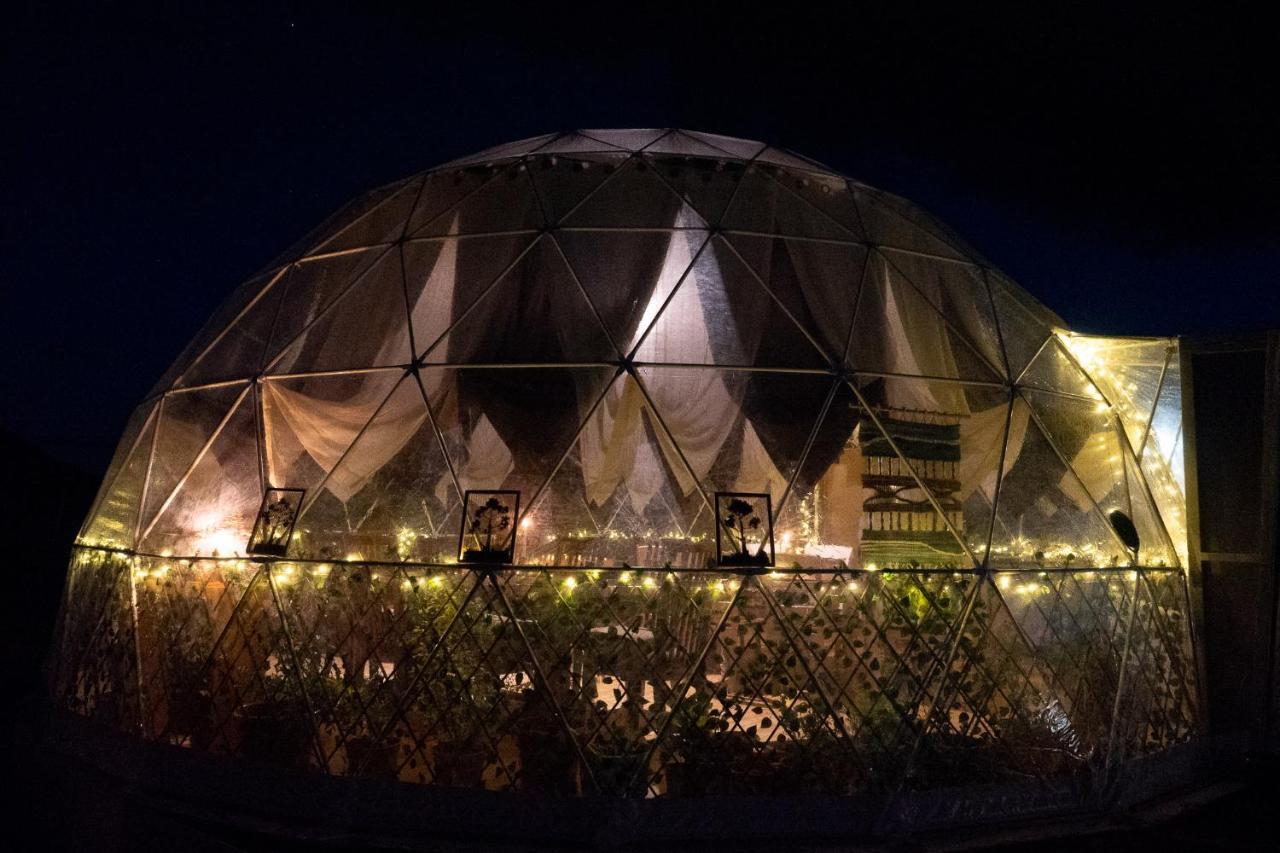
x=625, y=328
x=619, y=324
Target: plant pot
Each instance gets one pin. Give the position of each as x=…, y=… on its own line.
x=373, y=756
x=547, y=763
x=189, y=716
x=274, y=733
x=458, y=764
x=614, y=772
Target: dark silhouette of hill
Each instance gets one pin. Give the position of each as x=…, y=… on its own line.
x=41, y=508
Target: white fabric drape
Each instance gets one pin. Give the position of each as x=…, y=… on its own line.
x=917, y=341
x=695, y=405
x=324, y=429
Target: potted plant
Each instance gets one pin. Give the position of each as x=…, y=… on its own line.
x=274, y=729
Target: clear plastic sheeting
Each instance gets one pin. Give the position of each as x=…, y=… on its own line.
x=619, y=324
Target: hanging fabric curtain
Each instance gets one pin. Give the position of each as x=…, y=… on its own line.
x=325, y=428
x=696, y=406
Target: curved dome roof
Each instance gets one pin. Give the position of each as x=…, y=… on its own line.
x=619, y=324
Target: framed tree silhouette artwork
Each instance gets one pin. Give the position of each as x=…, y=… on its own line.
x=488, y=527
x=744, y=529
x=274, y=526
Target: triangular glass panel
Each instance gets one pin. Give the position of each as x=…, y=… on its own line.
x=392, y=495
x=1165, y=435
x=887, y=227
x=444, y=276
x=896, y=330
x=830, y=194
x=720, y=314
x=1129, y=373
x=1087, y=435
x=535, y=314
x=384, y=224
x=217, y=325
x=630, y=140
x=983, y=440
x=139, y=419
x=864, y=498
x=952, y=436
x=706, y=186
x=445, y=188
x=778, y=157
x=622, y=495
x=1155, y=548
x=817, y=282
x=212, y=510
x=238, y=353
x=564, y=181
x=1025, y=325
x=114, y=519
x=313, y=285
x=309, y=422
x=763, y=204
x=927, y=222
x=926, y=447
x=679, y=143
x=1044, y=515
x=504, y=151
x=743, y=148
x=628, y=275
x=739, y=431
x=188, y=421
x=1170, y=500
x=504, y=203
x=632, y=197
x=484, y=417
x=960, y=295
x=819, y=523
x=339, y=221
x=577, y=143
x=367, y=326
x=1053, y=370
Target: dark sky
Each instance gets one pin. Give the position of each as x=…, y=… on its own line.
x=1121, y=165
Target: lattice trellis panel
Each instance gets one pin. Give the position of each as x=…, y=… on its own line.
x=97, y=665
x=625, y=683
x=183, y=606
x=1161, y=703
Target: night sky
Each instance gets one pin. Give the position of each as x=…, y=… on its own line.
x=1121, y=166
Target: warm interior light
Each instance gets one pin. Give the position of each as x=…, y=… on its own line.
x=219, y=543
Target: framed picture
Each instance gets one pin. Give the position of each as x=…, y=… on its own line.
x=488, y=527
x=744, y=529
x=274, y=526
